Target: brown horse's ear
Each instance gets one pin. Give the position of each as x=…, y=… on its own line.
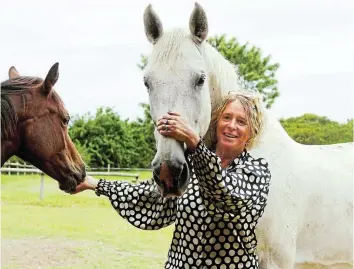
x=51, y=78
x=13, y=73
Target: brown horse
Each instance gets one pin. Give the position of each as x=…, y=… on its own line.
x=34, y=127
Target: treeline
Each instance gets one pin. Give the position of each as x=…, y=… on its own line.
x=311, y=129
x=105, y=138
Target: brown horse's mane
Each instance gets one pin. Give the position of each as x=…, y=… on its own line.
x=17, y=85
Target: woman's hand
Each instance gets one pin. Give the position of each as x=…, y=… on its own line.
x=89, y=183
x=172, y=125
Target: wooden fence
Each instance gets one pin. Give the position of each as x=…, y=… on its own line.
x=18, y=169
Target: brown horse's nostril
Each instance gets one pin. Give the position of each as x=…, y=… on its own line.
x=78, y=177
x=83, y=174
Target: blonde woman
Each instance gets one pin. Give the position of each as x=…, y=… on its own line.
x=216, y=217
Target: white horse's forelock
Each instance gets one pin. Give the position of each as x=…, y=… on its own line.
x=166, y=54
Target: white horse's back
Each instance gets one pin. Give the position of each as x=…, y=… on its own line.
x=326, y=229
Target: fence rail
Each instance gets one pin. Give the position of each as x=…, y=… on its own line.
x=88, y=169
x=23, y=168
x=37, y=171
x=18, y=165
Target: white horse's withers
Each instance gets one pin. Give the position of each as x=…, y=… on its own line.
x=309, y=216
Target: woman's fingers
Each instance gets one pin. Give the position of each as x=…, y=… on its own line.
x=174, y=113
x=81, y=187
x=171, y=125
x=168, y=118
x=167, y=130
x=171, y=116
x=167, y=121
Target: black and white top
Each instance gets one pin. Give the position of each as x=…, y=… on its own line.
x=215, y=218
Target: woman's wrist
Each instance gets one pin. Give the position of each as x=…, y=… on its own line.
x=91, y=182
x=193, y=142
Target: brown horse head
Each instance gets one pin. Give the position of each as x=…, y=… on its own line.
x=34, y=127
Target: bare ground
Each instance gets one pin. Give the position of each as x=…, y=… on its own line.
x=40, y=252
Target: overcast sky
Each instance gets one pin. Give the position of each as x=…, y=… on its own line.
x=98, y=45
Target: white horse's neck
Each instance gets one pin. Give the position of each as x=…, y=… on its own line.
x=224, y=78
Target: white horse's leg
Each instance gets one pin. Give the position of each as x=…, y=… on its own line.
x=320, y=266
x=277, y=243
x=279, y=258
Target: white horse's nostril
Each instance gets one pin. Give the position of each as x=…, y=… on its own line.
x=166, y=176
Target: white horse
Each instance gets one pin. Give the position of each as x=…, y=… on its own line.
x=308, y=219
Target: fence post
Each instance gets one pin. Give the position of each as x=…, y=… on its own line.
x=41, y=190
x=18, y=173
x=136, y=179
x=108, y=168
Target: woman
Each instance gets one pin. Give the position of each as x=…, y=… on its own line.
x=216, y=217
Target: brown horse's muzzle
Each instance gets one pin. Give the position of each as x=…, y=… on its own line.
x=67, y=172
x=69, y=181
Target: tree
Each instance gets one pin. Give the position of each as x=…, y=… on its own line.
x=143, y=134
x=311, y=129
x=104, y=138
x=256, y=72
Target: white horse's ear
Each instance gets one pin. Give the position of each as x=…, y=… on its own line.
x=13, y=73
x=152, y=24
x=198, y=24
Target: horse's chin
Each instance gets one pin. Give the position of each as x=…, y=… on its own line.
x=68, y=186
x=68, y=183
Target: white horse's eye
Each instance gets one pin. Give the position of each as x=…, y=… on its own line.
x=146, y=83
x=201, y=80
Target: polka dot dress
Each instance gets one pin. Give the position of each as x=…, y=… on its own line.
x=214, y=220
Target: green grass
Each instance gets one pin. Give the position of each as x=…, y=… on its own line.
x=111, y=241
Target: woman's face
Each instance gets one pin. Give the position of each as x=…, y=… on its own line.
x=233, y=130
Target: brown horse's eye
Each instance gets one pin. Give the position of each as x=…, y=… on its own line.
x=66, y=120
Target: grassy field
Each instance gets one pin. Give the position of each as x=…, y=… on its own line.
x=79, y=231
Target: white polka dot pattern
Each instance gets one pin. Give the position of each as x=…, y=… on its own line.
x=215, y=218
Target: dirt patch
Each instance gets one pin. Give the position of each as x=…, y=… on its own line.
x=38, y=252
x=43, y=252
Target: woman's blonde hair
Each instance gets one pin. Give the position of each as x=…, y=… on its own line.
x=251, y=102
